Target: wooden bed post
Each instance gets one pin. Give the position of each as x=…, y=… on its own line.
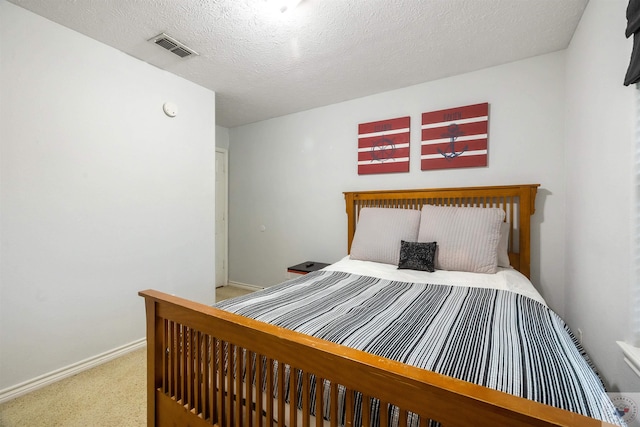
x=154, y=358
x=351, y=219
x=527, y=209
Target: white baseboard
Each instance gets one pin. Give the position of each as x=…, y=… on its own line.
x=57, y=375
x=245, y=286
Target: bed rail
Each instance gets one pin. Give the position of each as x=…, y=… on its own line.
x=197, y=356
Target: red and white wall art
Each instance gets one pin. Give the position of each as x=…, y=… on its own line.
x=455, y=138
x=383, y=146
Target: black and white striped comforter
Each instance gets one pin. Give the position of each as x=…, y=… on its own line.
x=494, y=338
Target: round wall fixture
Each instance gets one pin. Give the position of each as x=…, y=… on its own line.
x=170, y=109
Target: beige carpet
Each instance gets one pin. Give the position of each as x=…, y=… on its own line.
x=227, y=292
x=110, y=395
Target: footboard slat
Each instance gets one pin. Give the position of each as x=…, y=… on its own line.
x=189, y=362
x=384, y=414
x=333, y=404
x=212, y=383
x=226, y=359
x=403, y=418
x=319, y=400
x=293, y=397
x=280, y=395
x=201, y=376
x=207, y=403
x=269, y=390
x=348, y=408
x=197, y=370
x=166, y=371
x=206, y=368
x=219, y=382
x=170, y=360
x=366, y=410
x=237, y=390
x=305, y=399
x=181, y=352
x=248, y=392
x=259, y=380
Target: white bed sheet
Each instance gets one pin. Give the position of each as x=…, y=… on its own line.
x=507, y=279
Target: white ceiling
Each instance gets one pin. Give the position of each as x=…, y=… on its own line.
x=262, y=63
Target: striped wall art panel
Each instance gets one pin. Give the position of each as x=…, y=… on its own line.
x=383, y=146
x=455, y=138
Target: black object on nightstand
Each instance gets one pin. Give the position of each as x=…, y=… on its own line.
x=306, y=267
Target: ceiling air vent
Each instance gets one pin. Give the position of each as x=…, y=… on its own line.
x=173, y=45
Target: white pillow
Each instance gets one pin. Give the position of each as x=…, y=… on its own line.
x=380, y=231
x=503, y=245
x=467, y=237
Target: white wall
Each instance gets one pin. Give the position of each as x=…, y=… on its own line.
x=222, y=137
x=102, y=195
x=599, y=163
x=289, y=173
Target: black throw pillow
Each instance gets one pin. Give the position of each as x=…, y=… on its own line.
x=417, y=256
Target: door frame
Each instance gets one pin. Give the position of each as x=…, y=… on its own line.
x=224, y=152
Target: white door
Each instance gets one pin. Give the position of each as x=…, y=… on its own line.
x=222, y=230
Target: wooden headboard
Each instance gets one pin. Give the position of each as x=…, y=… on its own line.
x=518, y=202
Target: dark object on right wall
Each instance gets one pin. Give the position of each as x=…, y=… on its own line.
x=633, y=28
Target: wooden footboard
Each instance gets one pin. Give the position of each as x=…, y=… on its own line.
x=201, y=360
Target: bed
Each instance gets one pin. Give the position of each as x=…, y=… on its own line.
x=330, y=348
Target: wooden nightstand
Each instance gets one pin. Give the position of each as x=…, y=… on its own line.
x=306, y=267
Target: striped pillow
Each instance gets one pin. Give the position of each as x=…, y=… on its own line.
x=380, y=231
x=467, y=237
x=503, y=246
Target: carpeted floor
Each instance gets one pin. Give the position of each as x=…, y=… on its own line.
x=227, y=292
x=110, y=395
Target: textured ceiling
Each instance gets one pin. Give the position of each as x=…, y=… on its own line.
x=262, y=63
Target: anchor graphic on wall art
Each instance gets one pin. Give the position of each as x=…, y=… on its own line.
x=453, y=132
x=382, y=150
